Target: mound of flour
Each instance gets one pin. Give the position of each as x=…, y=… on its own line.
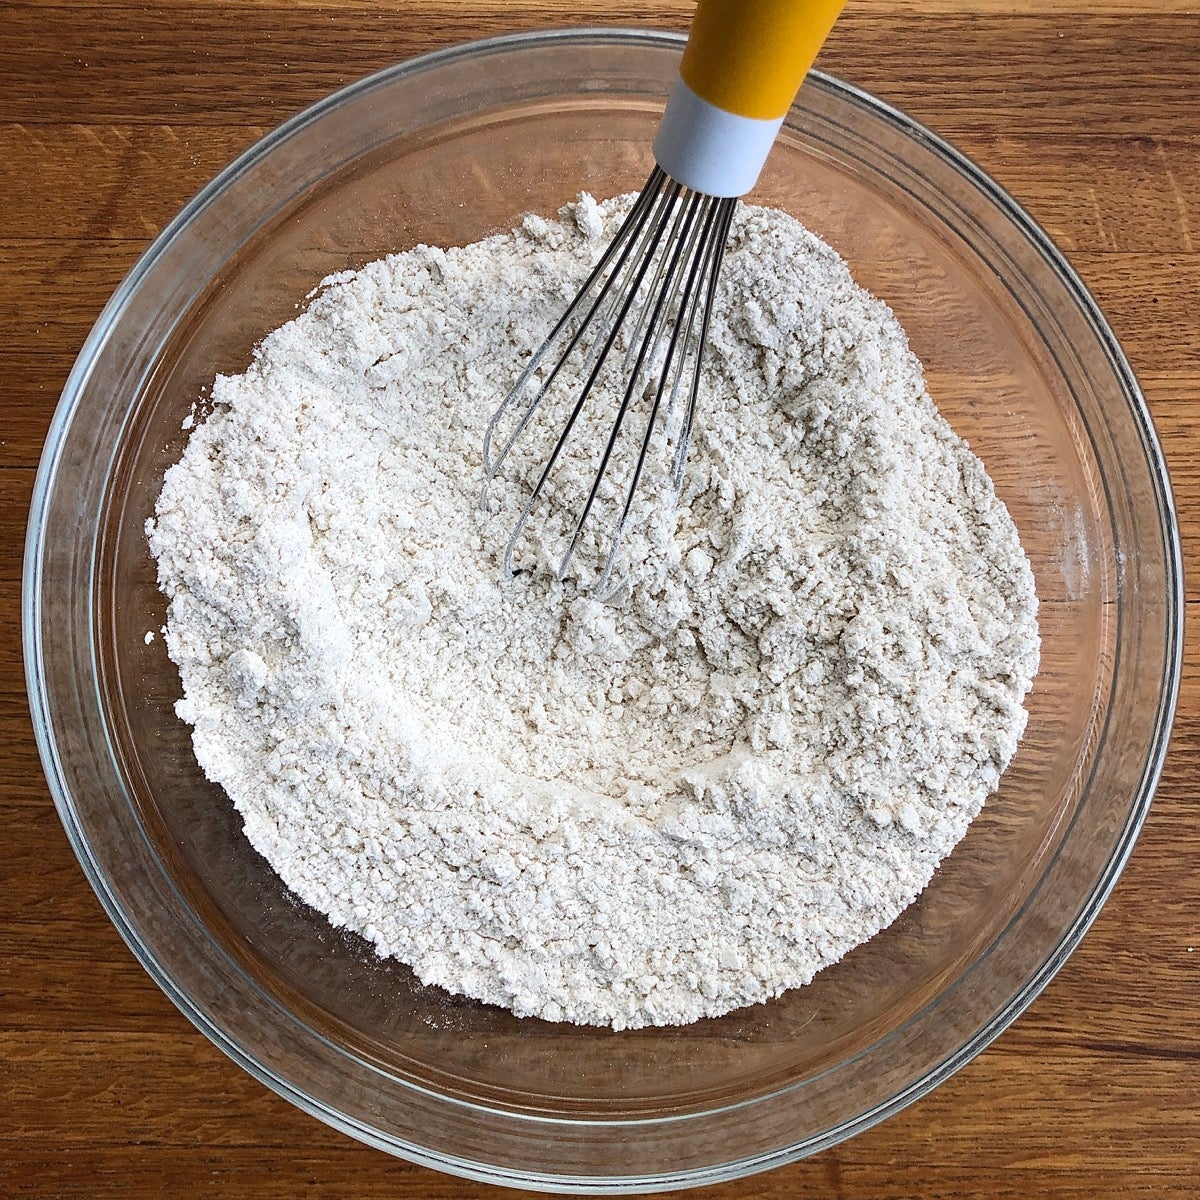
x=640, y=812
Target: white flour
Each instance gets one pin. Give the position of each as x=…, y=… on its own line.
x=638, y=813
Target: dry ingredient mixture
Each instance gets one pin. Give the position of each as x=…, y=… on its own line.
x=638, y=812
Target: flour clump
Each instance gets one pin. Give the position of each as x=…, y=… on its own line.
x=645, y=811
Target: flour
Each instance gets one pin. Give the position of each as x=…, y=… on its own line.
x=641, y=812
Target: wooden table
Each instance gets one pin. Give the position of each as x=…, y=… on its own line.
x=113, y=114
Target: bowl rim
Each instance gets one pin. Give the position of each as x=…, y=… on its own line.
x=31, y=604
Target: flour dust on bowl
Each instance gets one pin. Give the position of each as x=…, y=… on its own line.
x=1020, y=364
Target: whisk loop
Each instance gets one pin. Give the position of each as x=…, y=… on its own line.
x=653, y=287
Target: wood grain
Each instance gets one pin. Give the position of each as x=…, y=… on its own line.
x=113, y=115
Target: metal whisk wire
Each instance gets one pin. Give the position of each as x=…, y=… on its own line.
x=667, y=255
x=741, y=69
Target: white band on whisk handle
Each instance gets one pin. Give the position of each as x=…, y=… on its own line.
x=708, y=149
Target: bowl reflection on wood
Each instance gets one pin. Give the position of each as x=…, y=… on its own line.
x=445, y=150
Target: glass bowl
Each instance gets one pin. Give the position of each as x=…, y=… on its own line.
x=444, y=150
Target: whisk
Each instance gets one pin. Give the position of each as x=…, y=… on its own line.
x=651, y=295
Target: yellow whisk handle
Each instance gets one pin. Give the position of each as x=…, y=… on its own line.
x=749, y=57
x=741, y=70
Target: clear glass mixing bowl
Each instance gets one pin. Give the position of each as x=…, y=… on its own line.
x=444, y=150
